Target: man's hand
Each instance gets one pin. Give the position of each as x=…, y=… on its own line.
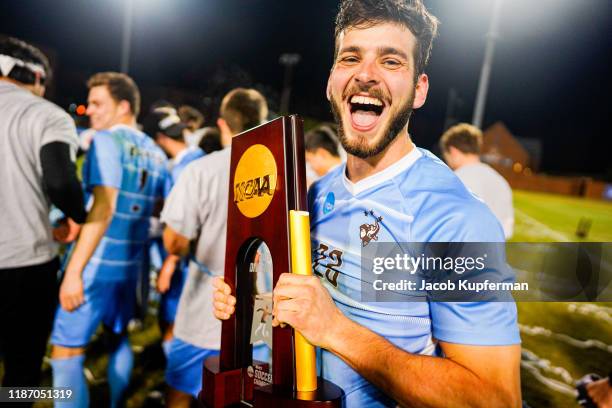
x=224, y=304
x=67, y=231
x=165, y=274
x=71, y=292
x=303, y=303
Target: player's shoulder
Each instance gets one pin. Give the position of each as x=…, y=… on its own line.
x=439, y=191
x=325, y=183
x=431, y=174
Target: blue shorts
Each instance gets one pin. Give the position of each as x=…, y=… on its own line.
x=170, y=300
x=184, y=367
x=185, y=363
x=108, y=302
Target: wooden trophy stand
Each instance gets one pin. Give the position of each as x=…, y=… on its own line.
x=267, y=180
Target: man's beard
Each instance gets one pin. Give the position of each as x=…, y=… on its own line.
x=361, y=147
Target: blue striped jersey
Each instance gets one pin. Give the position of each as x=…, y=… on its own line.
x=128, y=160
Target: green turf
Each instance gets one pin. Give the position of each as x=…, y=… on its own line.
x=557, y=216
x=542, y=217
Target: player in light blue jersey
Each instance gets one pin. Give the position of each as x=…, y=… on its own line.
x=125, y=174
x=164, y=125
x=384, y=354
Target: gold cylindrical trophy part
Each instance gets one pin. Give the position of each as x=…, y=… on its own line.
x=301, y=264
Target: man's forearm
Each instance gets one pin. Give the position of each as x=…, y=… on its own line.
x=175, y=243
x=413, y=380
x=92, y=232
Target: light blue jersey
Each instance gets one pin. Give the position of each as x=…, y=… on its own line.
x=180, y=162
x=130, y=161
x=417, y=199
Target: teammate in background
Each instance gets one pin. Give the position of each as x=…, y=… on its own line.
x=322, y=151
x=166, y=128
x=461, y=146
x=125, y=173
x=196, y=209
x=38, y=145
x=435, y=354
x=194, y=120
x=211, y=139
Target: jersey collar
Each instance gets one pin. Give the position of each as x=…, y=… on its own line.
x=393, y=170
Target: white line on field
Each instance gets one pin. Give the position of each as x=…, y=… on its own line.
x=556, y=235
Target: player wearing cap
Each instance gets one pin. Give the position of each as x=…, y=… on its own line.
x=125, y=173
x=167, y=129
x=434, y=354
x=38, y=144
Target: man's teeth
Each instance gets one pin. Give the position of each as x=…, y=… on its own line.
x=366, y=100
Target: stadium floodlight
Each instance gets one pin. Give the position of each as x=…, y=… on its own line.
x=485, y=73
x=126, y=36
x=288, y=61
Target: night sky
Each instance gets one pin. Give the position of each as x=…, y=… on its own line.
x=550, y=78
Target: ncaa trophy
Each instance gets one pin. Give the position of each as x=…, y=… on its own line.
x=268, y=233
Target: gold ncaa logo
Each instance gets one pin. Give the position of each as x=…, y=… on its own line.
x=255, y=181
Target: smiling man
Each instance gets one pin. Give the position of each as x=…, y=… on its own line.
x=124, y=173
x=433, y=354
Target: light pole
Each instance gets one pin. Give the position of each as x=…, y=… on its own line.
x=485, y=73
x=289, y=61
x=126, y=37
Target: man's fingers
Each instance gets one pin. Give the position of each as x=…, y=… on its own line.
x=220, y=285
x=291, y=291
x=285, y=317
x=227, y=299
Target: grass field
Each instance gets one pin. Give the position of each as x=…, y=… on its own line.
x=561, y=341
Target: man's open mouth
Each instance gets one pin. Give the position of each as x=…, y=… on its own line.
x=365, y=111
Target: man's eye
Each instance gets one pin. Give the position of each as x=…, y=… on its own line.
x=349, y=60
x=391, y=63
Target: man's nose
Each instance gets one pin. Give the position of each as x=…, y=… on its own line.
x=368, y=73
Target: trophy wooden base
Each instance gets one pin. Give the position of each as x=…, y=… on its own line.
x=327, y=395
x=224, y=389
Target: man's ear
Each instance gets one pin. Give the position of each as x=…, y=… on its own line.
x=328, y=88
x=222, y=125
x=124, y=108
x=453, y=151
x=39, y=88
x=420, y=91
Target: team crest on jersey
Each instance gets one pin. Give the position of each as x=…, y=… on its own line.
x=369, y=232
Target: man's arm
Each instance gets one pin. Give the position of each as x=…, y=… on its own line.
x=175, y=243
x=177, y=246
x=467, y=375
x=98, y=219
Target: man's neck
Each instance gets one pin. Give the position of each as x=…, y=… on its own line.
x=175, y=149
x=127, y=120
x=469, y=159
x=358, y=169
x=27, y=87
